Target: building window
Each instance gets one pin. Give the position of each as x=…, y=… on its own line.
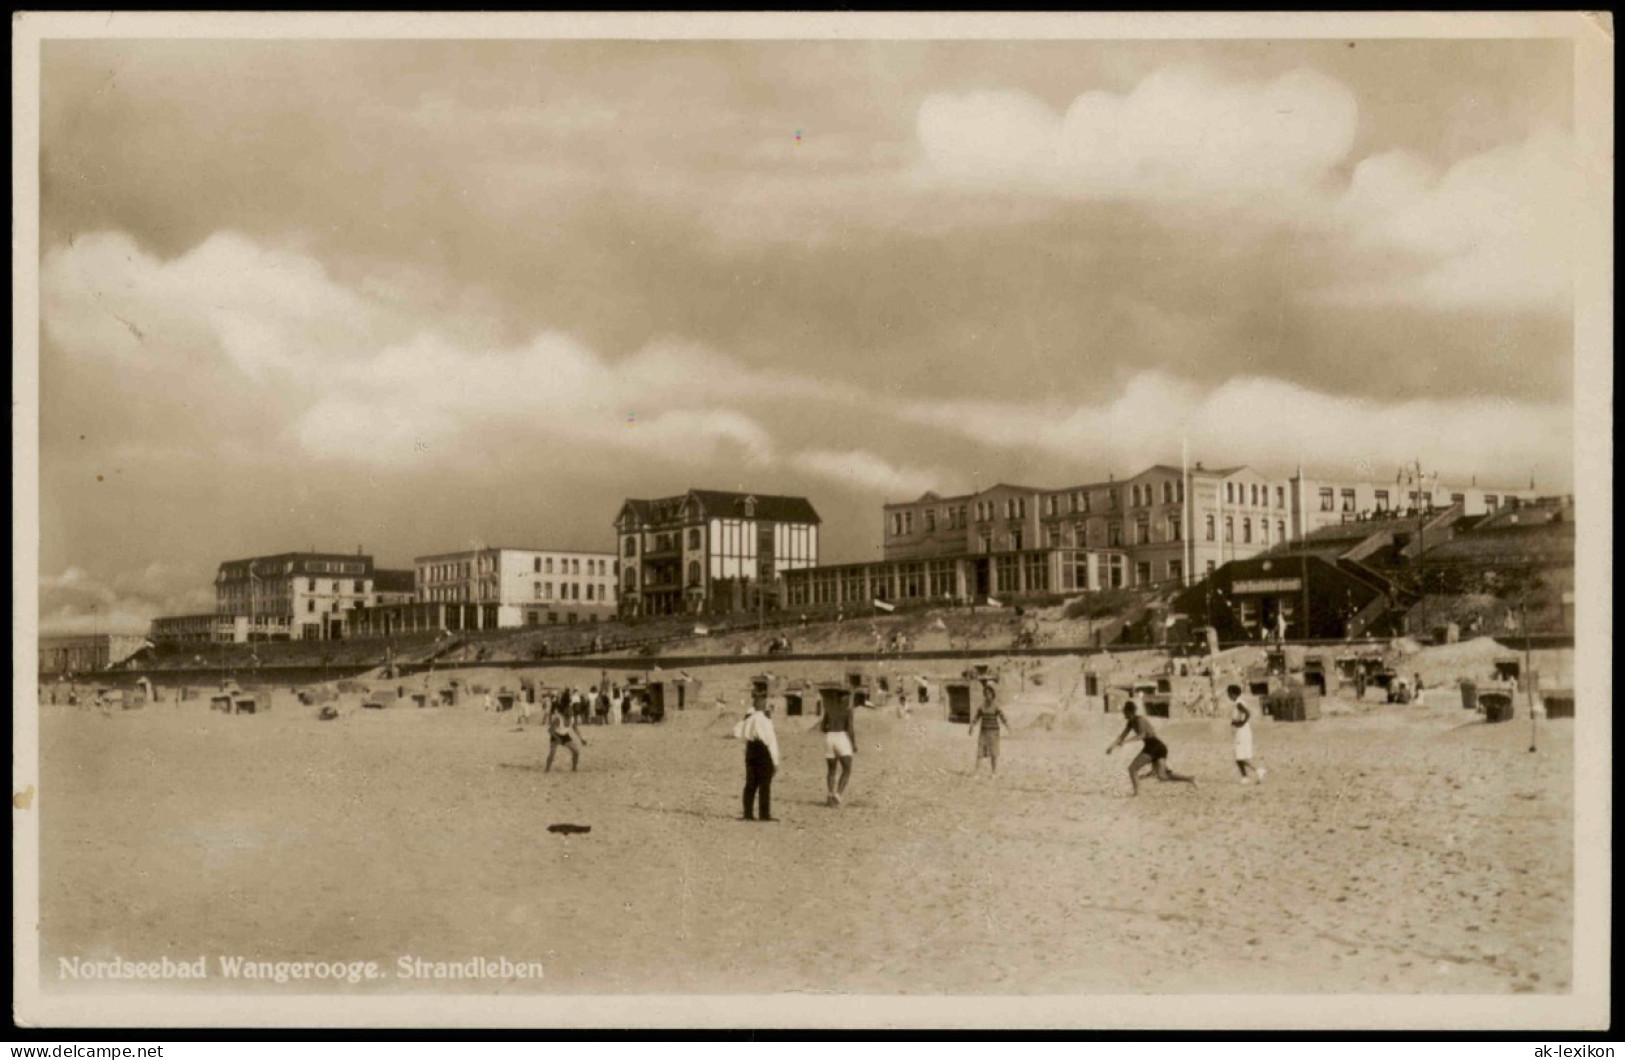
x=1021, y=507
x=312, y=587
x=1264, y=530
x=1280, y=496
x=963, y=512
x=1229, y=528
x=930, y=520
x=1246, y=531
x=1458, y=498
x=1142, y=574
x=310, y=605
x=1382, y=500
x=694, y=571
x=1229, y=493
x=987, y=542
x=1280, y=530
x=1176, y=570
x=1054, y=534
x=1348, y=500
x=1491, y=501
x=1142, y=530
x=1016, y=541
x=548, y=566
x=1114, y=534
x=1210, y=528
x=1175, y=530
x=908, y=522
x=1326, y=499
x=1084, y=497
x=1210, y=568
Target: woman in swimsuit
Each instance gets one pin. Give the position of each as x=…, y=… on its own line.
x=1153, y=752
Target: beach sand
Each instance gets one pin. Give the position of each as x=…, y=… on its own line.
x=1391, y=850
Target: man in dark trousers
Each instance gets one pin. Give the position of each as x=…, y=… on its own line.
x=761, y=759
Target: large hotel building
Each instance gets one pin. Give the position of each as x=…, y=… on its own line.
x=1165, y=526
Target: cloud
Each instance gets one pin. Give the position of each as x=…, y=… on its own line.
x=1495, y=229
x=365, y=382
x=1180, y=133
x=269, y=312
x=1273, y=425
x=76, y=601
x=867, y=471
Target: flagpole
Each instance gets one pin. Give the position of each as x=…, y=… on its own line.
x=1184, y=506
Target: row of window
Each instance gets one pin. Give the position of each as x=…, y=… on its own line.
x=573, y=590
x=1253, y=494
x=1417, y=499
x=1246, y=529
x=570, y=565
x=534, y=618
x=1076, y=503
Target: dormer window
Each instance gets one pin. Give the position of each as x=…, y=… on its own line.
x=750, y=507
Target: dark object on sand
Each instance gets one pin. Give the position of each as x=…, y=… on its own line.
x=570, y=829
x=327, y=714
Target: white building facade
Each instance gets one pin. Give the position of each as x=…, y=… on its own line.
x=512, y=587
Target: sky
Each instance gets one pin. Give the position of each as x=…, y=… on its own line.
x=417, y=296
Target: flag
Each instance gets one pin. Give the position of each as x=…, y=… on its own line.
x=883, y=605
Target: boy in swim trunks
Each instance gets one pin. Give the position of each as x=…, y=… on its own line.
x=988, y=718
x=1153, y=752
x=562, y=732
x=840, y=744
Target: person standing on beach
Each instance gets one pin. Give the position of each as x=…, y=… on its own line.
x=1153, y=752
x=761, y=759
x=1241, y=720
x=987, y=719
x=840, y=744
x=562, y=732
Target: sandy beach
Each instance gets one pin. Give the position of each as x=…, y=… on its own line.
x=1392, y=849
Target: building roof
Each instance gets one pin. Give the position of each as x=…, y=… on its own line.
x=777, y=508
x=723, y=503
x=268, y=562
x=605, y=553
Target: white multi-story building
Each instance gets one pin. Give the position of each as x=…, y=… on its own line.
x=509, y=587
x=295, y=595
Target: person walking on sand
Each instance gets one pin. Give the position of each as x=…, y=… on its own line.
x=985, y=722
x=1153, y=752
x=840, y=744
x=562, y=732
x=761, y=760
x=1241, y=720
